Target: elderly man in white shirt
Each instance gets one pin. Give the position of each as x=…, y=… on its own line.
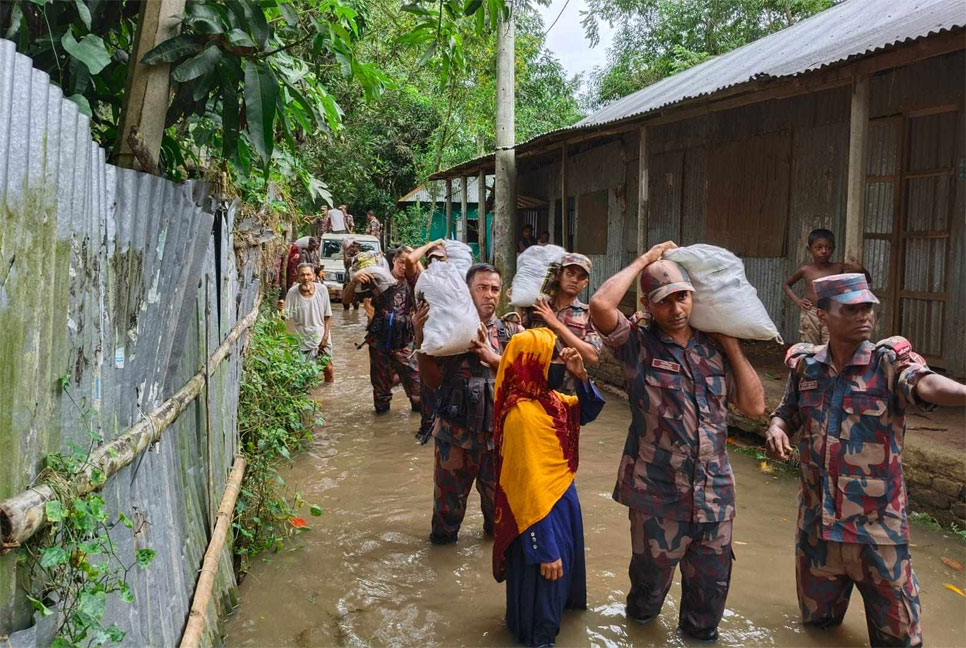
x=307, y=313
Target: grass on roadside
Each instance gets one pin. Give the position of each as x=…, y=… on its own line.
x=275, y=419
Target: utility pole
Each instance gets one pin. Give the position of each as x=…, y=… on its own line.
x=505, y=201
x=145, y=103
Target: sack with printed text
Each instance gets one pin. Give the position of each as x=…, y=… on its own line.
x=533, y=264
x=724, y=300
x=453, y=322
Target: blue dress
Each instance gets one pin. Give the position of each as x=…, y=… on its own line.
x=534, y=604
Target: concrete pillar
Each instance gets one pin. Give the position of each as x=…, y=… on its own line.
x=505, y=203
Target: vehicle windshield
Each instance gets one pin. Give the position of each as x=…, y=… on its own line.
x=332, y=248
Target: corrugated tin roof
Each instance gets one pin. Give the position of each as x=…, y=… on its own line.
x=848, y=30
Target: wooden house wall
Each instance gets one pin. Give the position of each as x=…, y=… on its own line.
x=815, y=127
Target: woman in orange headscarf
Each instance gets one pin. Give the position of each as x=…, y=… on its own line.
x=539, y=539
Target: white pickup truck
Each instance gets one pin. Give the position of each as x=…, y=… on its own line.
x=330, y=255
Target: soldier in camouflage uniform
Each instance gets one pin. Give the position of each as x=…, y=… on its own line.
x=849, y=399
x=567, y=316
x=464, y=390
x=390, y=336
x=674, y=475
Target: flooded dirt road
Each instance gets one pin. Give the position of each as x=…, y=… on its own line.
x=366, y=574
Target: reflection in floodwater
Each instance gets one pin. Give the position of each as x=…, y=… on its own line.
x=366, y=574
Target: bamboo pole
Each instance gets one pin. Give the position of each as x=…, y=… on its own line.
x=209, y=567
x=23, y=515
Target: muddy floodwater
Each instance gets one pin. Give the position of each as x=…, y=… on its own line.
x=366, y=573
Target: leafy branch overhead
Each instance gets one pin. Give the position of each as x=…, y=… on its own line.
x=259, y=67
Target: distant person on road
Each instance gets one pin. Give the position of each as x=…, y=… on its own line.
x=675, y=476
x=308, y=250
x=288, y=274
x=350, y=223
x=848, y=398
x=567, y=316
x=464, y=386
x=538, y=545
x=307, y=313
x=322, y=224
x=337, y=221
x=821, y=245
x=390, y=336
x=526, y=238
x=373, y=226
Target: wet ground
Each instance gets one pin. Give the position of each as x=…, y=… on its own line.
x=366, y=574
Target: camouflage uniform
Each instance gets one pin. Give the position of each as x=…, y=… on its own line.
x=675, y=475
x=393, y=352
x=852, y=526
x=464, y=453
x=374, y=228
x=576, y=317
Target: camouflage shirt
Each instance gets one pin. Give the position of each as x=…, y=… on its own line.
x=576, y=317
x=457, y=369
x=675, y=462
x=853, y=423
x=374, y=228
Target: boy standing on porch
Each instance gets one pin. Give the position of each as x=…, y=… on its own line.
x=821, y=245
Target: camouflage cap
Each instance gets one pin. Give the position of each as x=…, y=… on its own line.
x=848, y=288
x=662, y=278
x=574, y=259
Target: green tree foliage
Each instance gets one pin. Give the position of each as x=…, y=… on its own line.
x=658, y=38
x=440, y=112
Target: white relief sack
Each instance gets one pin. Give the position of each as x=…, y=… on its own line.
x=532, y=266
x=724, y=300
x=453, y=322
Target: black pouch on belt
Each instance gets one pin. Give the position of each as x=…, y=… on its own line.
x=475, y=403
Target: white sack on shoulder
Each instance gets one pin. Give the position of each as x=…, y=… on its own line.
x=459, y=254
x=532, y=266
x=453, y=322
x=724, y=300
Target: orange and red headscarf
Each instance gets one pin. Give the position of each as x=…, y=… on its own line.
x=536, y=433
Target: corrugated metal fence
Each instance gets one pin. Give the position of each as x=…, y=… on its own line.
x=121, y=282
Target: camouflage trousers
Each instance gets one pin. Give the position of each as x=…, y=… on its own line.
x=811, y=329
x=382, y=364
x=704, y=552
x=825, y=572
x=455, y=471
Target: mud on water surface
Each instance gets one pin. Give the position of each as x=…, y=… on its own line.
x=366, y=574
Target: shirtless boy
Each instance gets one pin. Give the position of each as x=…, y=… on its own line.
x=821, y=245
